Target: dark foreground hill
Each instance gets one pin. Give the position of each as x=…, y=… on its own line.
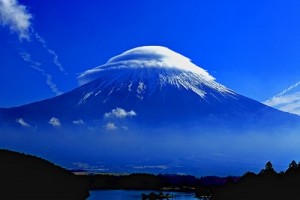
x=267, y=185
x=28, y=177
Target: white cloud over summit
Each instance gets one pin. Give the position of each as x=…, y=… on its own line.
x=145, y=57
x=16, y=17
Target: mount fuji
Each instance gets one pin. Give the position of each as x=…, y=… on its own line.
x=151, y=109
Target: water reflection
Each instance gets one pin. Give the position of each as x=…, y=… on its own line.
x=133, y=194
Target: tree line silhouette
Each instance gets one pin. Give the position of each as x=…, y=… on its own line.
x=267, y=184
x=24, y=176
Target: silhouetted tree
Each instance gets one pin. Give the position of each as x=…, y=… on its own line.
x=298, y=165
x=293, y=168
x=269, y=166
x=268, y=169
x=293, y=165
x=281, y=173
x=267, y=185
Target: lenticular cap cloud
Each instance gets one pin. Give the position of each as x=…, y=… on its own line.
x=146, y=57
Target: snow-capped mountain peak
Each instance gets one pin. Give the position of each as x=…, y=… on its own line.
x=149, y=104
x=148, y=68
x=155, y=82
x=157, y=57
x=147, y=57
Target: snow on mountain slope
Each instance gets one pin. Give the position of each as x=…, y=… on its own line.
x=157, y=64
x=150, y=106
x=148, y=57
x=159, y=85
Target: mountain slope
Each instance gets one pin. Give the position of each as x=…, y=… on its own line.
x=158, y=85
x=151, y=109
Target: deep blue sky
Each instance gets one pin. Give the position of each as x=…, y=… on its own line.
x=252, y=47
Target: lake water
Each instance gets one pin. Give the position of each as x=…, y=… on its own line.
x=133, y=194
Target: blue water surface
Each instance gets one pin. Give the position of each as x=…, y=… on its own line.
x=133, y=194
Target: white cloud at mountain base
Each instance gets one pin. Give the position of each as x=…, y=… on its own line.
x=23, y=123
x=119, y=113
x=110, y=126
x=78, y=122
x=54, y=122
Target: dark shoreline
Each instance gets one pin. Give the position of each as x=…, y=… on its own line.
x=28, y=177
x=200, y=187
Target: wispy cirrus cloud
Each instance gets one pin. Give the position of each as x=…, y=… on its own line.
x=289, y=89
x=36, y=65
x=51, y=52
x=288, y=100
x=119, y=113
x=16, y=17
